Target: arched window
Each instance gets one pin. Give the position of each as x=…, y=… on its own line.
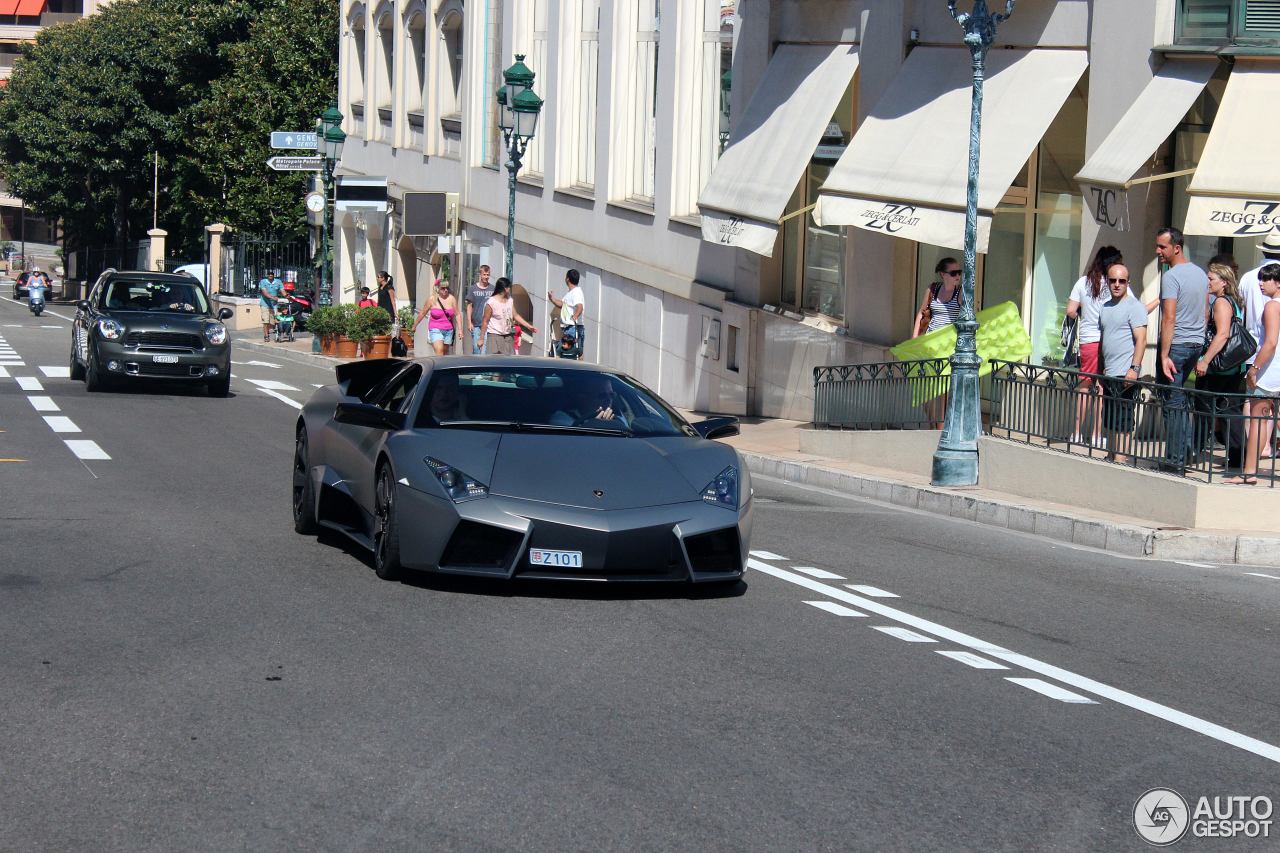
x=413, y=79
x=449, y=68
x=357, y=72
x=384, y=74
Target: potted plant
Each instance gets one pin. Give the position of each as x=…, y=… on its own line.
x=324, y=323
x=345, y=347
x=405, y=318
x=372, y=329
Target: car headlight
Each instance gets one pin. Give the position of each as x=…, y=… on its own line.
x=216, y=333
x=457, y=485
x=110, y=329
x=723, y=490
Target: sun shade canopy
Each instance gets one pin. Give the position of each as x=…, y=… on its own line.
x=906, y=170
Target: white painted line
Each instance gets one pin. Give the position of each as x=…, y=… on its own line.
x=28, y=383
x=1053, y=691
x=766, y=555
x=4, y=373
x=1261, y=575
x=1219, y=733
x=260, y=364
x=837, y=609
x=282, y=398
x=54, y=372
x=13, y=325
x=970, y=659
x=51, y=327
x=4, y=363
x=1195, y=565
x=873, y=591
x=271, y=384
x=58, y=423
x=904, y=634
x=44, y=404
x=821, y=574
x=316, y=385
x=85, y=449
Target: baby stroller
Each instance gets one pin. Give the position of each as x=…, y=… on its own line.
x=284, y=321
x=568, y=347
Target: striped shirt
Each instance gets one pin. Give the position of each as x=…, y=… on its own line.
x=943, y=313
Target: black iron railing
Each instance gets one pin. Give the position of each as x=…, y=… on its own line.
x=1199, y=434
x=247, y=259
x=883, y=395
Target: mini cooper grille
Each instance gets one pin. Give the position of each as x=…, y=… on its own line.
x=480, y=546
x=714, y=552
x=148, y=369
x=163, y=339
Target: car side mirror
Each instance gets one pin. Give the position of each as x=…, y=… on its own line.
x=225, y=314
x=713, y=428
x=83, y=304
x=368, y=415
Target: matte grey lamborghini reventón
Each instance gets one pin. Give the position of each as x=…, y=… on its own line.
x=519, y=467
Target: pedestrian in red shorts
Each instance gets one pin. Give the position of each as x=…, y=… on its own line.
x=1087, y=297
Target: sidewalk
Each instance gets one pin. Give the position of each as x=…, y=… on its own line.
x=771, y=447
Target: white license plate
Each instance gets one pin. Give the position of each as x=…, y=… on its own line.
x=558, y=559
x=165, y=359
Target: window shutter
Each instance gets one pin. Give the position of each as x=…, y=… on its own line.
x=1205, y=19
x=1262, y=16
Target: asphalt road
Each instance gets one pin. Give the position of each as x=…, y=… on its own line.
x=182, y=671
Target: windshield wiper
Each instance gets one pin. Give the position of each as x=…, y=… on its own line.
x=468, y=424
x=583, y=430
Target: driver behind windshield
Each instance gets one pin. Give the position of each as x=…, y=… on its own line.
x=446, y=401
x=166, y=299
x=593, y=400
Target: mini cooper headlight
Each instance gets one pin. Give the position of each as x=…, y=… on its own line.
x=110, y=329
x=457, y=485
x=723, y=490
x=216, y=333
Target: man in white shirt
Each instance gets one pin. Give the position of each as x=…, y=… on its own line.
x=571, y=307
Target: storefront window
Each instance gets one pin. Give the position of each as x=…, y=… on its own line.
x=824, y=250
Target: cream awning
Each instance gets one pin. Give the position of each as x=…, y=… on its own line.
x=1107, y=174
x=771, y=144
x=905, y=172
x=1236, y=188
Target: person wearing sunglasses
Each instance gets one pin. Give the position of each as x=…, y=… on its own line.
x=940, y=308
x=1122, y=320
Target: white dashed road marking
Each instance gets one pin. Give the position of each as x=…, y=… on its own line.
x=44, y=404
x=1260, y=748
x=766, y=555
x=260, y=364
x=873, y=591
x=28, y=383
x=1261, y=575
x=904, y=634
x=970, y=659
x=837, y=609
x=271, y=385
x=85, y=449
x=4, y=373
x=1053, y=691
x=821, y=574
x=1195, y=565
x=59, y=423
x=56, y=372
x=282, y=398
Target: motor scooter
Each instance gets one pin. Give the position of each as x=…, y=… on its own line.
x=35, y=297
x=301, y=304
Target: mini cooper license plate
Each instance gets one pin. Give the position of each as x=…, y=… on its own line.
x=558, y=559
x=165, y=359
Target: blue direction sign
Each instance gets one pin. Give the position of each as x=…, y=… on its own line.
x=290, y=140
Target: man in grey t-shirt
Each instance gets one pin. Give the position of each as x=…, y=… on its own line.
x=1184, y=307
x=477, y=295
x=1123, y=322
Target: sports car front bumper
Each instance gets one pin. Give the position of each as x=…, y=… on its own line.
x=492, y=537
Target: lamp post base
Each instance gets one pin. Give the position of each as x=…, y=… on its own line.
x=955, y=468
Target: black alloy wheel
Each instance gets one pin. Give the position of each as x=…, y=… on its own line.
x=76, y=368
x=304, y=504
x=386, y=534
x=94, y=378
x=220, y=387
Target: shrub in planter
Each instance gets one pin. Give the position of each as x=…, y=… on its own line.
x=405, y=318
x=346, y=331
x=372, y=330
x=325, y=323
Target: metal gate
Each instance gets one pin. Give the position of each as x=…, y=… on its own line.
x=247, y=259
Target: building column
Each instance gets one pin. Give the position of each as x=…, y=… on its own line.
x=214, y=260
x=155, y=249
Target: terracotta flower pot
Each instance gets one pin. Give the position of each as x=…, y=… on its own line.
x=328, y=345
x=408, y=340
x=345, y=347
x=378, y=347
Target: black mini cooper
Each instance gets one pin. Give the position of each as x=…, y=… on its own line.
x=150, y=325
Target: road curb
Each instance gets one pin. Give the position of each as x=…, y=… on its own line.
x=314, y=359
x=1124, y=539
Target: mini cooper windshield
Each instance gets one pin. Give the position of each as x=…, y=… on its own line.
x=537, y=399
x=142, y=295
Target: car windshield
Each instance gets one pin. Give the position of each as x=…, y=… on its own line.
x=549, y=399
x=141, y=295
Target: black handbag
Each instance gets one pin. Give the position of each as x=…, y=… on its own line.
x=1239, y=347
x=1070, y=343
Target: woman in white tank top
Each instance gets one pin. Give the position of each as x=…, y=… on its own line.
x=1263, y=378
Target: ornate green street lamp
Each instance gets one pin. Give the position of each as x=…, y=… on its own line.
x=518, y=109
x=329, y=128
x=955, y=463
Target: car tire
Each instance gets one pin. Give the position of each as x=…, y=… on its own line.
x=220, y=387
x=76, y=368
x=94, y=379
x=304, y=498
x=386, y=533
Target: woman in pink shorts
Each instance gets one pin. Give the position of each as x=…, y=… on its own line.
x=1087, y=296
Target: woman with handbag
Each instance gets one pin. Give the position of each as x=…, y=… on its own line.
x=1225, y=314
x=940, y=308
x=442, y=319
x=1087, y=297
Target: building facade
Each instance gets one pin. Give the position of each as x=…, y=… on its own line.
x=752, y=189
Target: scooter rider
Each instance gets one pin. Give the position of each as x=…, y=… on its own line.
x=37, y=283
